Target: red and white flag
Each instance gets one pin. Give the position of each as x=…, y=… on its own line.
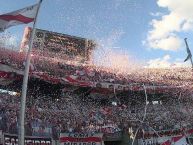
x=72, y=79
x=22, y=16
x=179, y=140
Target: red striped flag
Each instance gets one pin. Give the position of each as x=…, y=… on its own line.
x=22, y=16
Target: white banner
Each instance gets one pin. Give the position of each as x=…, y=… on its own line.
x=81, y=139
x=177, y=140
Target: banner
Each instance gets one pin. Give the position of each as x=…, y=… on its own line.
x=13, y=140
x=167, y=140
x=81, y=139
x=177, y=140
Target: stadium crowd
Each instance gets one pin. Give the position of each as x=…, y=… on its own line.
x=87, y=72
x=69, y=113
x=47, y=117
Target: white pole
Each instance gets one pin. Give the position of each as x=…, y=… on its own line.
x=188, y=49
x=24, y=85
x=145, y=113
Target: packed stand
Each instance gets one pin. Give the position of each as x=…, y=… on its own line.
x=47, y=117
x=68, y=113
x=180, y=77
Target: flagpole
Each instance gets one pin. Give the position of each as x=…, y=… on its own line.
x=25, y=82
x=187, y=47
x=191, y=62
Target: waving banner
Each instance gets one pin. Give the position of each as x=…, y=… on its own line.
x=81, y=139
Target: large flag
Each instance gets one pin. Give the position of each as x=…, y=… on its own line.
x=188, y=51
x=22, y=16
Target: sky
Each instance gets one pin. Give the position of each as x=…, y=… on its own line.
x=149, y=32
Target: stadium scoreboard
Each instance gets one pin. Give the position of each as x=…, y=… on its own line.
x=51, y=44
